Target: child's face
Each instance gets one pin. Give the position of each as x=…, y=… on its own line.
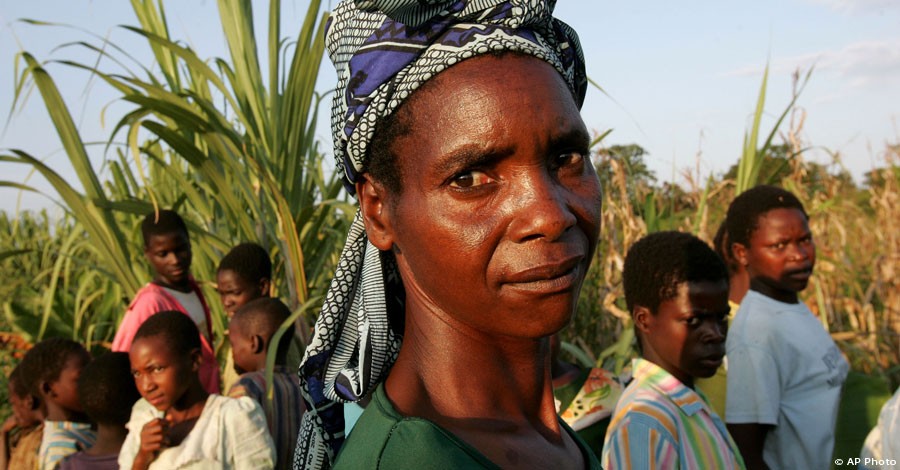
x=242, y=351
x=781, y=254
x=64, y=390
x=21, y=407
x=161, y=376
x=686, y=337
x=235, y=291
x=170, y=256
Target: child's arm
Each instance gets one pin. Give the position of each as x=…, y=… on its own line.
x=4, y=441
x=248, y=435
x=153, y=439
x=749, y=438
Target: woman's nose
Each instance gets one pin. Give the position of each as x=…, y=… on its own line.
x=543, y=210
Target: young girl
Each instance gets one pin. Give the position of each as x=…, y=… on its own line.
x=177, y=423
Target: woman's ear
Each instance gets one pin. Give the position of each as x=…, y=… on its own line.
x=740, y=254
x=376, y=213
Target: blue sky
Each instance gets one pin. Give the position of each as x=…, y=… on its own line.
x=683, y=76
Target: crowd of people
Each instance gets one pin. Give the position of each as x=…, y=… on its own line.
x=457, y=127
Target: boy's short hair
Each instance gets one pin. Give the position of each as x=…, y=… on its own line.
x=263, y=317
x=106, y=389
x=177, y=329
x=658, y=263
x=45, y=361
x=162, y=223
x=249, y=260
x=744, y=212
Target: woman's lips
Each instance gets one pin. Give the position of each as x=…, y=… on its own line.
x=548, y=278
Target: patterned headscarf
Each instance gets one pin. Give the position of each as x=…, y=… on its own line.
x=383, y=51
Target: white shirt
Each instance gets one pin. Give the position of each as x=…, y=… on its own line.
x=882, y=445
x=785, y=370
x=231, y=433
x=194, y=308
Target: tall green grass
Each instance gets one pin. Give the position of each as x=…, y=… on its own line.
x=226, y=143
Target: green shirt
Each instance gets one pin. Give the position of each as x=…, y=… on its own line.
x=382, y=438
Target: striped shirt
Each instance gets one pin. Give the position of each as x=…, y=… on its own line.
x=286, y=412
x=62, y=438
x=661, y=423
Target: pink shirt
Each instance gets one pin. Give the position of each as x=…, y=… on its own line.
x=152, y=299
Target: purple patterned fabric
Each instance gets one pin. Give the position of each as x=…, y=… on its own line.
x=382, y=57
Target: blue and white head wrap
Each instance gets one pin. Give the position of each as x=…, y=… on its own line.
x=383, y=50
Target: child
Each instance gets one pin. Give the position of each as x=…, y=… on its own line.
x=251, y=331
x=676, y=289
x=51, y=370
x=176, y=422
x=784, y=371
x=28, y=419
x=107, y=393
x=244, y=274
x=168, y=249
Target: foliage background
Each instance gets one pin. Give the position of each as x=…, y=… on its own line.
x=229, y=143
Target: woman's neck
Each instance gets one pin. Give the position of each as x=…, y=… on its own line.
x=442, y=362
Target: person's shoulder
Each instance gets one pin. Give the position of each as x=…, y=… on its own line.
x=253, y=383
x=390, y=440
x=756, y=320
x=67, y=430
x=647, y=406
x=405, y=443
x=237, y=410
x=83, y=461
x=148, y=300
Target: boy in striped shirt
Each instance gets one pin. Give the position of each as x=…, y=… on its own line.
x=251, y=332
x=51, y=370
x=676, y=289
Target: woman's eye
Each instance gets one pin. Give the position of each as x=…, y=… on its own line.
x=693, y=321
x=569, y=159
x=470, y=179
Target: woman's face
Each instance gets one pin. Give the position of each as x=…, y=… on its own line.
x=499, y=213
